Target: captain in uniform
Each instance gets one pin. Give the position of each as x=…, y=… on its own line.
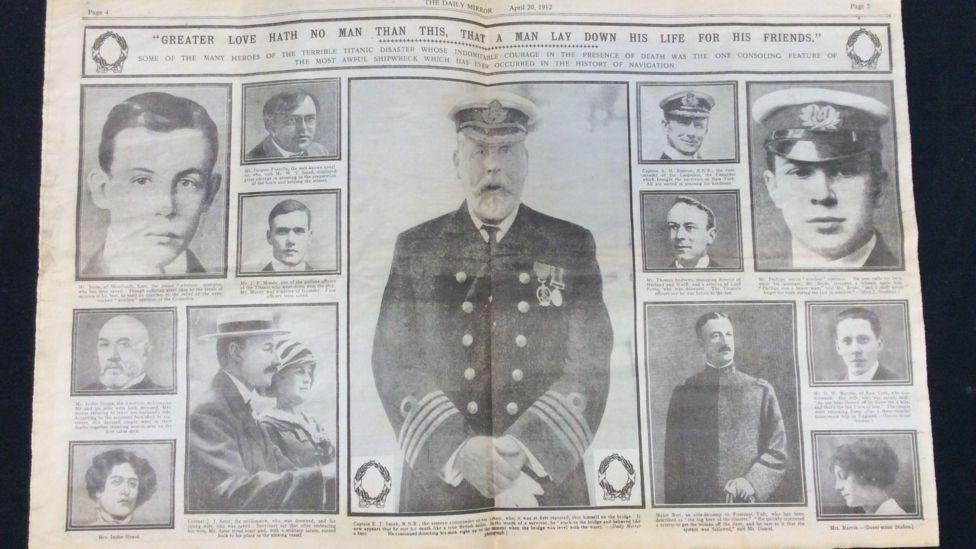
x=492, y=350
x=685, y=124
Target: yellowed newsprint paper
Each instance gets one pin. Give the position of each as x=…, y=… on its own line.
x=446, y=273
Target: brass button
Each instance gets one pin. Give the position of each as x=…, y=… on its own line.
x=523, y=306
x=469, y=374
x=472, y=407
x=511, y=408
x=491, y=298
x=467, y=306
x=520, y=340
x=524, y=278
x=517, y=374
x=467, y=340
x=461, y=276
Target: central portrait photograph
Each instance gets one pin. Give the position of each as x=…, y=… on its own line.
x=491, y=297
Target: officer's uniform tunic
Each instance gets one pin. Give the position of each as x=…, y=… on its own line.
x=471, y=341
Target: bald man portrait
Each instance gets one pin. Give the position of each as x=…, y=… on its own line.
x=123, y=348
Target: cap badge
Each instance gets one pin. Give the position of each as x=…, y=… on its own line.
x=690, y=100
x=816, y=117
x=495, y=113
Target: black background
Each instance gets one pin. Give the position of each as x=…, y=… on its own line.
x=941, y=51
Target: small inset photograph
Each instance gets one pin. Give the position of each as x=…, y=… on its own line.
x=288, y=233
x=866, y=475
x=823, y=168
x=152, y=189
x=687, y=122
x=291, y=121
x=120, y=485
x=691, y=231
x=859, y=343
x=123, y=352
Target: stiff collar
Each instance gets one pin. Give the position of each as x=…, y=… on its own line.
x=675, y=154
x=135, y=381
x=503, y=227
x=702, y=263
x=280, y=267
x=804, y=258
x=866, y=376
x=283, y=152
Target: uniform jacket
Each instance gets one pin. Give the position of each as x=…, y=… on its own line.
x=96, y=265
x=266, y=149
x=145, y=385
x=723, y=424
x=464, y=347
x=881, y=257
x=232, y=465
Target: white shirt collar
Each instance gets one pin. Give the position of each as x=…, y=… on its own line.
x=247, y=393
x=113, y=247
x=675, y=154
x=286, y=154
x=702, y=263
x=503, y=227
x=135, y=381
x=278, y=266
x=868, y=375
x=804, y=258
x=714, y=367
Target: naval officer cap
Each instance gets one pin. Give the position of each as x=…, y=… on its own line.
x=495, y=117
x=817, y=125
x=687, y=104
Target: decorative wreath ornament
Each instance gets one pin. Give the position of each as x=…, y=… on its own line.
x=858, y=61
x=103, y=64
x=610, y=492
x=365, y=498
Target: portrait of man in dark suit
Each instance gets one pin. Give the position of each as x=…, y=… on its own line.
x=123, y=349
x=858, y=342
x=232, y=465
x=290, y=118
x=289, y=234
x=491, y=354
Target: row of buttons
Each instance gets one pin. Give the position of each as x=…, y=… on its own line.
x=468, y=339
x=523, y=277
x=511, y=408
x=522, y=306
x=469, y=374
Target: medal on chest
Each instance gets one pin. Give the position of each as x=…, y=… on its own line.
x=551, y=284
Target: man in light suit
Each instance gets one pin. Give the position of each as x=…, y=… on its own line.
x=290, y=118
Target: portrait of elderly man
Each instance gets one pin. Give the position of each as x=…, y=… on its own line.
x=156, y=179
x=491, y=354
x=864, y=472
x=232, y=465
x=118, y=482
x=290, y=236
x=858, y=342
x=685, y=124
x=123, y=349
x=825, y=175
x=691, y=231
x=725, y=440
x=290, y=119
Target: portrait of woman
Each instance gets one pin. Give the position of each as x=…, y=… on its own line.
x=119, y=481
x=864, y=470
x=301, y=439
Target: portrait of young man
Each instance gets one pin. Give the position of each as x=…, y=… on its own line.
x=723, y=404
x=121, y=485
x=859, y=343
x=153, y=164
x=687, y=123
x=492, y=351
x=124, y=352
x=691, y=231
x=289, y=233
x=824, y=187
x=291, y=121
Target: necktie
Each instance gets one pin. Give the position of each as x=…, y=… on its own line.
x=492, y=231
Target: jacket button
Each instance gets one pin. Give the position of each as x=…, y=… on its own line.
x=467, y=340
x=517, y=374
x=520, y=340
x=467, y=306
x=472, y=407
x=524, y=278
x=511, y=408
x=469, y=374
x=523, y=306
x=461, y=276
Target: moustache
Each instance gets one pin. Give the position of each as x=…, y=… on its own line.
x=725, y=349
x=492, y=183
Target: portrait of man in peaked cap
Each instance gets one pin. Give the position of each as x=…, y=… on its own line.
x=687, y=123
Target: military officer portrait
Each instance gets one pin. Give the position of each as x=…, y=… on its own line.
x=691, y=231
x=120, y=485
x=690, y=123
x=240, y=362
x=294, y=121
x=124, y=352
x=288, y=233
x=824, y=185
x=723, y=403
x=859, y=343
x=493, y=347
x=152, y=200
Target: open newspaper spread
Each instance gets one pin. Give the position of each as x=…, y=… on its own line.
x=445, y=272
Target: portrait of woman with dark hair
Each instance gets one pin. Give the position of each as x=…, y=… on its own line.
x=119, y=481
x=865, y=470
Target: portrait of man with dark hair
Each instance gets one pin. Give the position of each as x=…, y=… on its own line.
x=289, y=234
x=290, y=118
x=118, y=482
x=156, y=180
x=858, y=342
x=691, y=230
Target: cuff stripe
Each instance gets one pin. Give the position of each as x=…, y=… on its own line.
x=424, y=408
x=578, y=442
x=579, y=427
x=438, y=418
x=573, y=449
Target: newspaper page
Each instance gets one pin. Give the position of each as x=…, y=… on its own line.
x=445, y=272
